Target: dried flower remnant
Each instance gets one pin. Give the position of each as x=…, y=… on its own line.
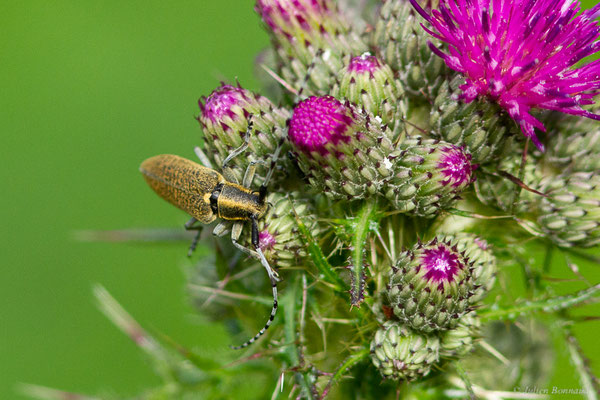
x=521, y=54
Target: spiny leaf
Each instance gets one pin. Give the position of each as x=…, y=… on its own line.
x=346, y=365
x=202, y=363
x=469, y=214
x=546, y=305
x=364, y=223
x=465, y=378
x=46, y=393
x=232, y=295
x=589, y=382
x=318, y=258
x=290, y=302
x=143, y=235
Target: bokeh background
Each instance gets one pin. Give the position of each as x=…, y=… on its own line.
x=87, y=91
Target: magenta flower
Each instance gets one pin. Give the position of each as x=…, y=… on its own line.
x=222, y=102
x=287, y=17
x=521, y=54
x=364, y=64
x=455, y=165
x=441, y=263
x=318, y=122
x=266, y=240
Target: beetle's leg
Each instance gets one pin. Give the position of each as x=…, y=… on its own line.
x=191, y=227
x=235, y=235
x=202, y=157
x=243, y=147
x=236, y=232
x=269, y=321
x=221, y=229
x=249, y=175
x=274, y=159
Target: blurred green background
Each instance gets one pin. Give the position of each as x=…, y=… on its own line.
x=88, y=90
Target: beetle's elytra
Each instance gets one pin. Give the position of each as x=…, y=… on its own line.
x=200, y=191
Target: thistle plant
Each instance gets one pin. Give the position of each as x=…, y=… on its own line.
x=422, y=243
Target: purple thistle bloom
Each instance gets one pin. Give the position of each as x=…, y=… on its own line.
x=440, y=263
x=221, y=102
x=520, y=54
x=317, y=122
x=266, y=240
x=287, y=17
x=364, y=64
x=455, y=165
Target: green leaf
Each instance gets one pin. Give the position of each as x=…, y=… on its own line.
x=588, y=381
x=46, y=393
x=547, y=305
x=346, y=365
x=365, y=222
x=465, y=378
x=318, y=258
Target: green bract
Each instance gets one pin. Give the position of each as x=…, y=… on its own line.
x=570, y=214
x=430, y=286
x=400, y=353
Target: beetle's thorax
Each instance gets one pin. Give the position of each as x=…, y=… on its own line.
x=234, y=202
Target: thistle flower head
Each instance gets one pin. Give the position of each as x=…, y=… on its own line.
x=228, y=115
x=266, y=240
x=278, y=235
x=318, y=121
x=455, y=165
x=440, y=263
x=400, y=353
x=369, y=83
x=430, y=176
x=430, y=286
x=520, y=54
x=289, y=18
x=223, y=103
x=364, y=64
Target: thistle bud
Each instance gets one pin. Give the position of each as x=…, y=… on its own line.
x=500, y=192
x=570, y=214
x=460, y=341
x=429, y=176
x=369, y=83
x=311, y=38
x=430, y=287
x=224, y=117
x=278, y=235
x=342, y=151
x=481, y=127
x=402, y=354
x=574, y=144
x=479, y=252
x=403, y=45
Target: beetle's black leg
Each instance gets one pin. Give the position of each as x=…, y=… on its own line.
x=236, y=231
x=269, y=321
x=190, y=227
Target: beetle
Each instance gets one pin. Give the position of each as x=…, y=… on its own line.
x=206, y=195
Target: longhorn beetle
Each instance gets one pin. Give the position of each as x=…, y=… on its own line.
x=207, y=195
